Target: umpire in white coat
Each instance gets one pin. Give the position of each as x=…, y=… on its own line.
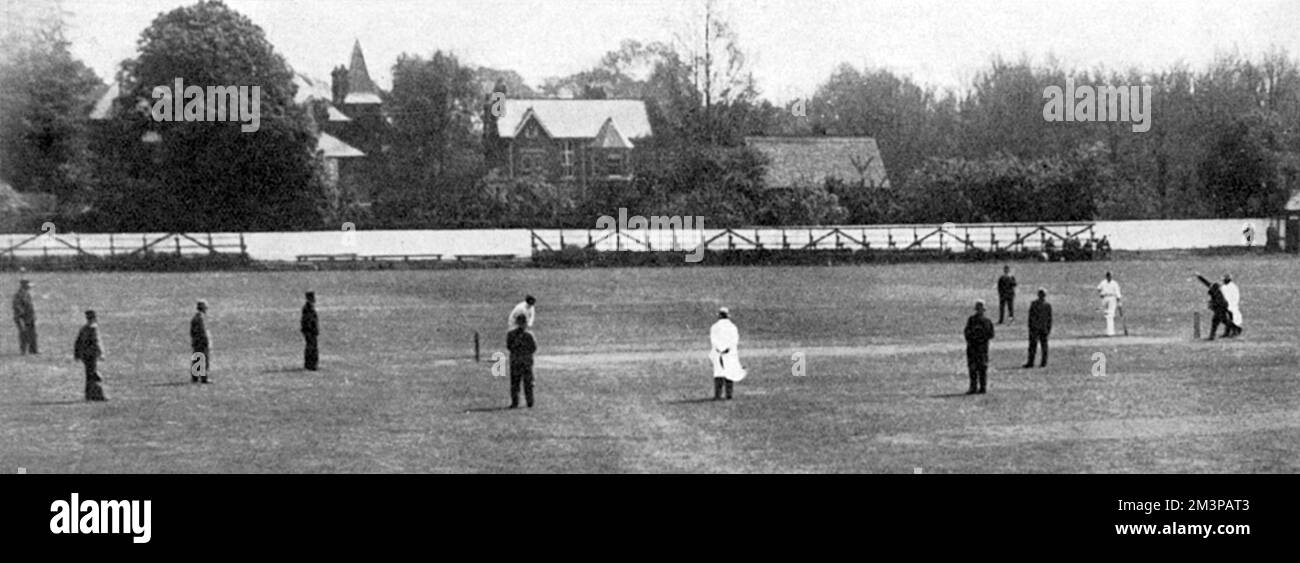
x=725, y=339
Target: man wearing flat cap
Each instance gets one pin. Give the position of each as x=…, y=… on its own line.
x=979, y=331
x=310, y=330
x=90, y=351
x=25, y=318
x=200, y=344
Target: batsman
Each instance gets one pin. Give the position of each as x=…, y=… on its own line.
x=1109, y=292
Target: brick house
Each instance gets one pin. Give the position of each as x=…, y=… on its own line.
x=569, y=142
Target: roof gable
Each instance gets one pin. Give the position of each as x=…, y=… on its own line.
x=811, y=160
x=576, y=119
x=531, y=117
x=609, y=137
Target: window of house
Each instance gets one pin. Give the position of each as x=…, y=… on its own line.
x=531, y=131
x=531, y=162
x=614, y=163
x=567, y=162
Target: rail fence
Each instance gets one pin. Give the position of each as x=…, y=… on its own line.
x=989, y=237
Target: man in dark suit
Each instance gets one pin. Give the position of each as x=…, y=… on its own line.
x=200, y=343
x=90, y=351
x=979, y=331
x=1218, y=308
x=521, y=345
x=1007, y=295
x=25, y=318
x=1040, y=325
x=310, y=330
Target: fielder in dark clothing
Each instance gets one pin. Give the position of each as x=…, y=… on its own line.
x=979, y=331
x=310, y=330
x=1218, y=308
x=521, y=345
x=1006, y=295
x=1040, y=325
x=89, y=350
x=200, y=343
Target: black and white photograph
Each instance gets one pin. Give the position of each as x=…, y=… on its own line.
x=650, y=237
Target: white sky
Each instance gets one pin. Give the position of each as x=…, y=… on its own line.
x=793, y=45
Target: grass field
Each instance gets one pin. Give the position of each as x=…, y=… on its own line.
x=623, y=377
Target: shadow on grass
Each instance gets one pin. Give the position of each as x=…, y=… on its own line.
x=53, y=403
x=284, y=370
x=171, y=384
x=949, y=395
x=691, y=401
x=488, y=409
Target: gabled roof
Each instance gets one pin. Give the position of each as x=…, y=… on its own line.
x=361, y=89
x=810, y=160
x=576, y=119
x=530, y=116
x=610, y=138
x=332, y=147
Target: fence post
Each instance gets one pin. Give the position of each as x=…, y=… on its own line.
x=111, y=251
x=242, y=249
x=177, y=240
x=211, y=248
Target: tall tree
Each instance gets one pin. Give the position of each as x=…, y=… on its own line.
x=45, y=96
x=210, y=175
x=435, y=156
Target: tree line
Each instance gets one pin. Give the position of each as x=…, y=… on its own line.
x=1224, y=141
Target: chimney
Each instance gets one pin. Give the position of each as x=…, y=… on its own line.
x=339, y=85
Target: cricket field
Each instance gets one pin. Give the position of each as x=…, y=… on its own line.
x=851, y=369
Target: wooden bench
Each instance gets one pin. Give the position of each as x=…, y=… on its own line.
x=325, y=257
x=403, y=257
x=484, y=257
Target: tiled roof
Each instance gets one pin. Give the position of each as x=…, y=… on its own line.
x=810, y=160
x=570, y=119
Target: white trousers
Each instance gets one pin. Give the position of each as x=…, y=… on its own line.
x=1109, y=306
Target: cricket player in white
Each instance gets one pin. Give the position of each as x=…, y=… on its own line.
x=524, y=308
x=1108, y=289
x=725, y=338
x=1232, y=295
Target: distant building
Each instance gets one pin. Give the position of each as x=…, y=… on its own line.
x=564, y=141
x=809, y=161
x=350, y=124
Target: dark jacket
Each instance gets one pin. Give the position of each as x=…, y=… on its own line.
x=979, y=331
x=1217, y=302
x=1006, y=286
x=199, y=339
x=310, y=324
x=1040, y=317
x=88, y=346
x=522, y=346
x=23, y=310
